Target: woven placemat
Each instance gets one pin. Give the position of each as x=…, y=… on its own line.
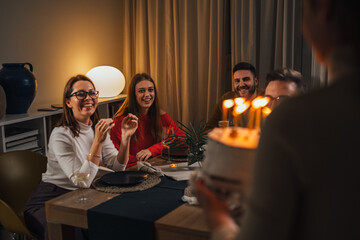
x=149, y=182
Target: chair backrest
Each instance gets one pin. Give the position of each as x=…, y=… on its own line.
x=20, y=173
x=11, y=221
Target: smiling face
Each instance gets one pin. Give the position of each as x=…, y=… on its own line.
x=245, y=84
x=82, y=109
x=145, y=95
x=278, y=90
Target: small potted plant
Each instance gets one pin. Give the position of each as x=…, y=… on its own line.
x=196, y=138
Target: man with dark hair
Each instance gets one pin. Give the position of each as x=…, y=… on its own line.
x=245, y=85
x=282, y=84
x=245, y=80
x=306, y=172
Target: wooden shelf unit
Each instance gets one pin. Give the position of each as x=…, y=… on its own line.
x=44, y=121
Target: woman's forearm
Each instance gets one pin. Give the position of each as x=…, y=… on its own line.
x=124, y=149
x=95, y=153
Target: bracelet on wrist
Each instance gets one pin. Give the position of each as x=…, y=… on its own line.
x=94, y=155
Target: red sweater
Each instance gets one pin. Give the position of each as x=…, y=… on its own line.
x=144, y=137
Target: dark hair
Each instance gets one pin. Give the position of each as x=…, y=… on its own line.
x=131, y=105
x=67, y=117
x=286, y=75
x=245, y=66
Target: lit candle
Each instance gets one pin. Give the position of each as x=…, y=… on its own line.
x=251, y=118
x=226, y=105
x=266, y=111
x=240, y=107
x=252, y=113
x=173, y=165
x=257, y=104
x=240, y=100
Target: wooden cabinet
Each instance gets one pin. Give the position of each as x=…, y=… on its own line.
x=43, y=122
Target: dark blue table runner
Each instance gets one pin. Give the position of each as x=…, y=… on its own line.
x=132, y=215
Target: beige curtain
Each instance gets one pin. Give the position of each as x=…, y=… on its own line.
x=267, y=34
x=190, y=46
x=182, y=45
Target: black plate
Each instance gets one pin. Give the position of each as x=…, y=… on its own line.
x=124, y=178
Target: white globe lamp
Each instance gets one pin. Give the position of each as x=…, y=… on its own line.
x=109, y=81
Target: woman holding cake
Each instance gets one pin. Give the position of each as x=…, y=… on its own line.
x=142, y=101
x=306, y=176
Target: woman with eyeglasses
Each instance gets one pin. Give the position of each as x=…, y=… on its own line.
x=142, y=101
x=80, y=137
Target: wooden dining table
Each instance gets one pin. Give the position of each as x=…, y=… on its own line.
x=64, y=212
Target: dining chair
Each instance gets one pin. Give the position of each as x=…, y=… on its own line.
x=20, y=173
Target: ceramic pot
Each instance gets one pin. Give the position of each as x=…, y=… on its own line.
x=19, y=85
x=2, y=102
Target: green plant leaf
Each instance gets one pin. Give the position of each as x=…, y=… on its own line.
x=196, y=137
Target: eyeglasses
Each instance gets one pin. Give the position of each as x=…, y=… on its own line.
x=81, y=95
x=277, y=99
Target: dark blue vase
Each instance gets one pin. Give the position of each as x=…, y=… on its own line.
x=19, y=85
x=2, y=102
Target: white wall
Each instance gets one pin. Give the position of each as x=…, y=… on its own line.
x=60, y=38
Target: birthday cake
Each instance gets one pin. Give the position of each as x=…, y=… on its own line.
x=229, y=158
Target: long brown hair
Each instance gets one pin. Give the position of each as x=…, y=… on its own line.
x=130, y=105
x=67, y=117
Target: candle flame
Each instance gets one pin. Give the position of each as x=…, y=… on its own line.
x=266, y=111
x=240, y=108
x=173, y=165
x=260, y=102
x=240, y=100
x=228, y=103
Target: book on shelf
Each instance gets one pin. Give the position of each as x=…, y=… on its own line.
x=57, y=105
x=16, y=133
x=21, y=141
x=24, y=146
x=38, y=149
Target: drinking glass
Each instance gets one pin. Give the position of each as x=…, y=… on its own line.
x=223, y=123
x=165, y=139
x=81, y=174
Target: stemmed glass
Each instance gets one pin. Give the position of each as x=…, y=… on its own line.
x=166, y=135
x=81, y=174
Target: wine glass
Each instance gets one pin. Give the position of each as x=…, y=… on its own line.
x=166, y=136
x=81, y=175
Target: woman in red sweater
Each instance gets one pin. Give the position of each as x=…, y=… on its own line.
x=142, y=101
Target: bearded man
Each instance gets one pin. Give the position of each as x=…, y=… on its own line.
x=245, y=82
